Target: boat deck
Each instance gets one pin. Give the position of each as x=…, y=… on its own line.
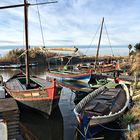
x=36, y=82
x=9, y=112
x=66, y=72
x=14, y=84
x=41, y=82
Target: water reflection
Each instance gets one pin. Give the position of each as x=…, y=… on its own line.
x=38, y=71
x=38, y=127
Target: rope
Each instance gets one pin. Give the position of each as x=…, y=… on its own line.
x=69, y=60
x=80, y=132
x=93, y=38
x=112, y=129
x=40, y=24
x=108, y=39
x=22, y=54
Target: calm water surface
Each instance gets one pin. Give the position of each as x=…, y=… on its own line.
x=62, y=123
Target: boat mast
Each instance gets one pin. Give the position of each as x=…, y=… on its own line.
x=97, y=54
x=26, y=4
x=26, y=41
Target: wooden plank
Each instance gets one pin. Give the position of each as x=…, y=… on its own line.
x=10, y=116
x=41, y=82
x=13, y=134
x=13, y=126
x=14, y=84
x=14, y=122
x=8, y=104
x=10, y=113
x=13, y=130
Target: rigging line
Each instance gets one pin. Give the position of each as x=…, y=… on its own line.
x=40, y=23
x=80, y=132
x=42, y=34
x=24, y=52
x=108, y=39
x=92, y=39
x=69, y=60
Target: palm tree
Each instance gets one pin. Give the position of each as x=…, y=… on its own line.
x=129, y=47
x=137, y=47
x=136, y=64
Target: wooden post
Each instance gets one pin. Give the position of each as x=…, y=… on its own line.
x=26, y=41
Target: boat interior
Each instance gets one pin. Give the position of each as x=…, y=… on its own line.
x=109, y=101
x=20, y=83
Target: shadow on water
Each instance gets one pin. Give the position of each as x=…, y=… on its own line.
x=35, y=126
x=107, y=132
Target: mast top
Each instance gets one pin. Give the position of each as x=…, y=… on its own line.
x=97, y=54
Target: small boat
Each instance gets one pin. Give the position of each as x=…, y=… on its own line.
x=41, y=95
x=103, y=105
x=11, y=66
x=97, y=80
x=70, y=76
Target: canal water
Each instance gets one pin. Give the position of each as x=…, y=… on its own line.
x=62, y=123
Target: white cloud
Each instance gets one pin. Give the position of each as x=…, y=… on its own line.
x=73, y=20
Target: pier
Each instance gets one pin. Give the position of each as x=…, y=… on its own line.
x=9, y=112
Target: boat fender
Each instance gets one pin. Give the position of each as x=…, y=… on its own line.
x=117, y=79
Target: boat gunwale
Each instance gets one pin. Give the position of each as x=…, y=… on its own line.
x=70, y=75
x=111, y=116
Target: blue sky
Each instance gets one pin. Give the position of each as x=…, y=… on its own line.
x=72, y=22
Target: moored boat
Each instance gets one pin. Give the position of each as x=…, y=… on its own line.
x=70, y=76
x=11, y=66
x=40, y=95
x=103, y=105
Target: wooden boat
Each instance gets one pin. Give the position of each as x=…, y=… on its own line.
x=99, y=68
x=11, y=66
x=70, y=76
x=41, y=95
x=100, y=65
x=31, y=91
x=97, y=80
x=103, y=105
x=69, y=73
